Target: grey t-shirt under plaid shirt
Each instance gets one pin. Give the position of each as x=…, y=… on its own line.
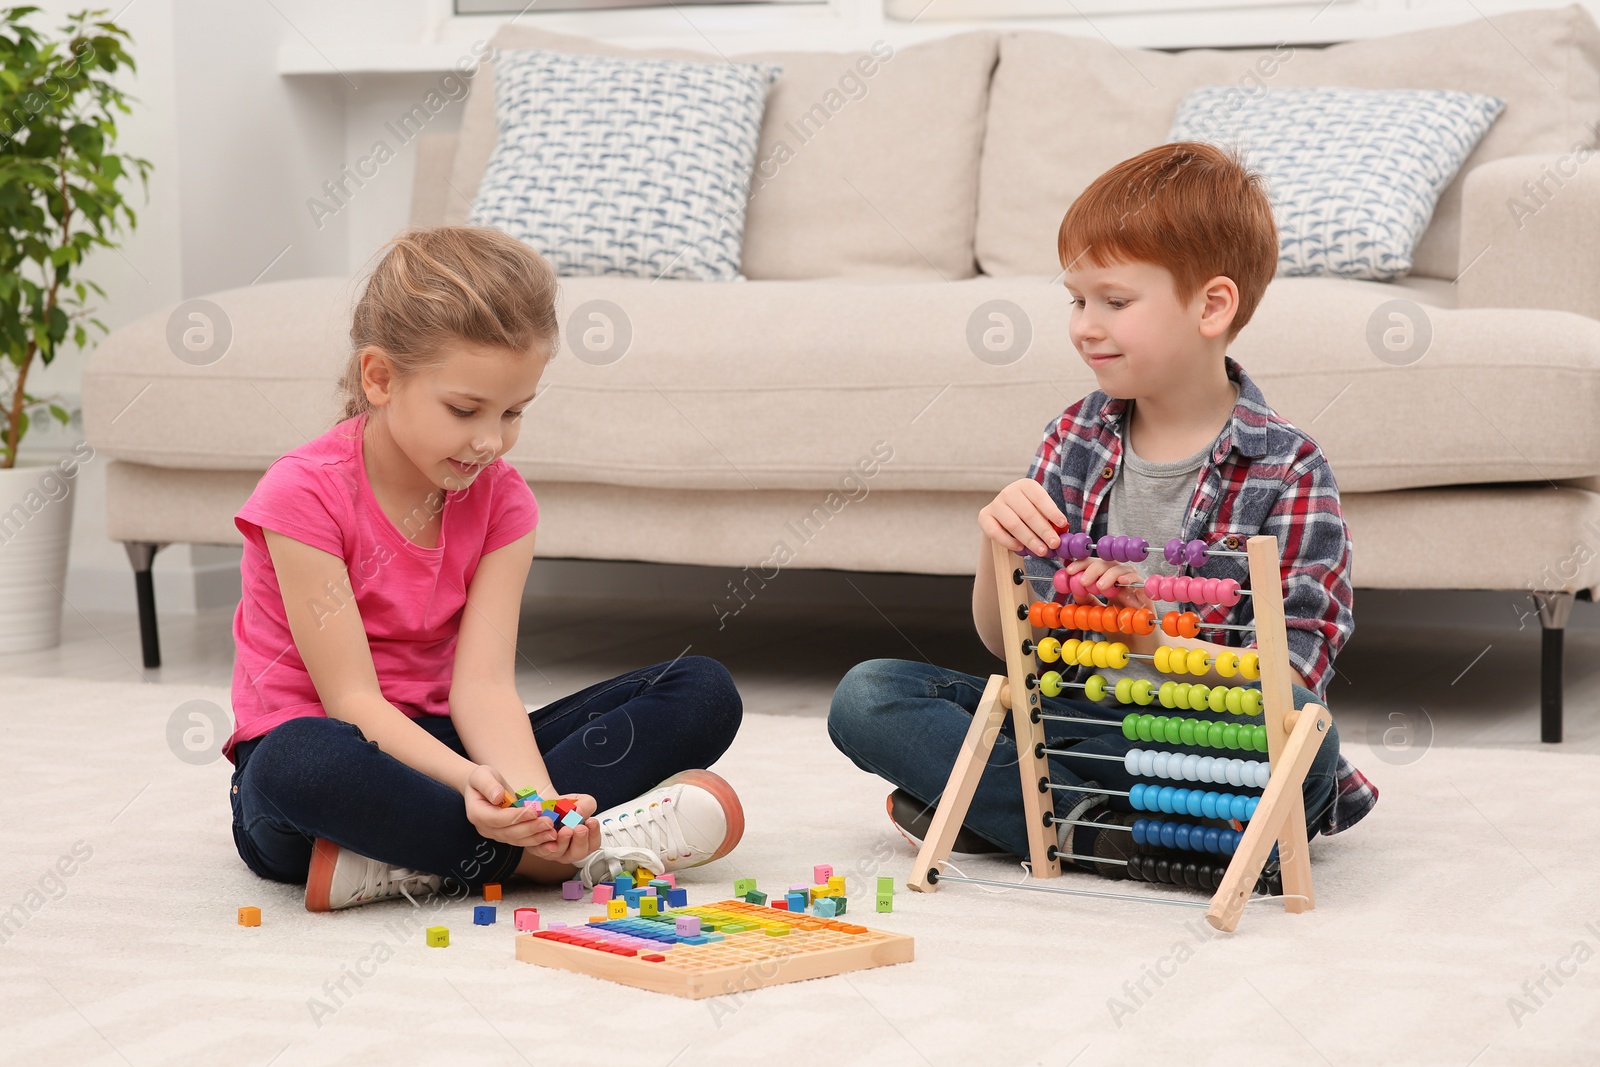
x=1151, y=500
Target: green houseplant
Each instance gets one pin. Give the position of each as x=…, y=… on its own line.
x=60, y=198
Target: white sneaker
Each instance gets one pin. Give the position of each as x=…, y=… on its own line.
x=340, y=878
x=691, y=818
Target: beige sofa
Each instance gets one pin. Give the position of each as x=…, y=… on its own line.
x=894, y=198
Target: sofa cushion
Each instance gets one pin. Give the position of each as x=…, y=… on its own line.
x=1064, y=109
x=748, y=386
x=1353, y=174
x=624, y=166
x=868, y=163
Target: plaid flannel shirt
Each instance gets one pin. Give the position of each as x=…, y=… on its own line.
x=1264, y=476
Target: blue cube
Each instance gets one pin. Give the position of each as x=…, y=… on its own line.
x=632, y=897
x=825, y=907
x=624, y=881
x=572, y=818
x=678, y=898
x=797, y=902
x=483, y=915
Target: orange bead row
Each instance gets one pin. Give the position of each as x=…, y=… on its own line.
x=1096, y=618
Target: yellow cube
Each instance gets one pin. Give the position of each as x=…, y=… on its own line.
x=836, y=883
x=820, y=891
x=617, y=909
x=439, y=937
x=649, y=906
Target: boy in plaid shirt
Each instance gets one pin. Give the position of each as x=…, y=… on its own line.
x=1166, y=257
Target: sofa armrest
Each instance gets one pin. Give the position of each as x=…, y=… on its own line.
x=1530, y=233
x=436, y=154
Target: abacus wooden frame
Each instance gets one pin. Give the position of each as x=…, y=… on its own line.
x=1293, y=738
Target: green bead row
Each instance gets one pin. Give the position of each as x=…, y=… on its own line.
x=1204, y=732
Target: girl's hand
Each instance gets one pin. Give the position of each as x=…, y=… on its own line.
x=1023, y=515
x=570, y=844
x=1106, y=578
x=484, y=791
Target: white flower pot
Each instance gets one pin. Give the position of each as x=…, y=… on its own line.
x=35, y=532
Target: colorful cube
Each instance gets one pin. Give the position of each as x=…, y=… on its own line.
x=491, y=891
x=797, y=902
x=688, y=926
x=671, y=879
x=821, y=873
x=826, y=908
x=839, y=905
x=525, y=918
x=885, y=885
x=781, y=905
x=643, y=876
x=438, y=937
x=617, y=909
x=649, y=906
x=836, y=883
x=885, y=901
x=249, y=916
x=572, y=818
x=623, y=881
x=572, y=890
x=547, y=805
x=649, y=891
x=741, y=886
x=661, y=886
x=755, y=896
x=817, y=891
x=483, y=915
x=678, y=898
x=632, y=897
x=603, y=892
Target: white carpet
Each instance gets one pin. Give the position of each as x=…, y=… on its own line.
x=1476, y=873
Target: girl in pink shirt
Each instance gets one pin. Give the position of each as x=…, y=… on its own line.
x=379, y=735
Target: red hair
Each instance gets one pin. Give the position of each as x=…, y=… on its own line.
x=1189, y=207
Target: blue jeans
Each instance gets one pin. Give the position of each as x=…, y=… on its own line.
x=320, y=777
x=905, y=721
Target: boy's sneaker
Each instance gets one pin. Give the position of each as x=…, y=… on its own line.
x=693, y=817
x=912, y=818
x=340, y=878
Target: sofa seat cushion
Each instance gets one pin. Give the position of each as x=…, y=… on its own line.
x=868, y=162
x=796, y=385
x=1063, y=109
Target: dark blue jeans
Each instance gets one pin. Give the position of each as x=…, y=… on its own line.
x=905, y=721
x=320, y=777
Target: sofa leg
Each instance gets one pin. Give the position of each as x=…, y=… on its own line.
x=142, y=555
x=1554, y=610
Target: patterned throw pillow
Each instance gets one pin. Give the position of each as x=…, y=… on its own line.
x=1353, y=174
x=624, y=166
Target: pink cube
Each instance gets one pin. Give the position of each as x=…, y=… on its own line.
x=571, y=890
x=801, y=888
x=603, y=893
x=526, y=918
x=672, y=879
x=688, y=926
x=649, y=890
x=821, y=873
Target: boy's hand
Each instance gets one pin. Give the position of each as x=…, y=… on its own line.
x=1023, y=516
x=484, y=792
x=1105, y=578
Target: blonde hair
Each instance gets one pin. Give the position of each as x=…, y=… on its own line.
x=444, y=284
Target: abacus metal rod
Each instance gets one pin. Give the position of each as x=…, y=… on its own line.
x=940, y=877
x=1089, y=789
x=1085, y=755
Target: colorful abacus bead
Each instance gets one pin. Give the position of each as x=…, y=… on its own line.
x=1050, y=683
x=1048, y=650
x=1074, y=546
x=1180, y=624
x=1186, y=766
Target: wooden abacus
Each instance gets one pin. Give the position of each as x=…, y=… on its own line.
x=1291, y=739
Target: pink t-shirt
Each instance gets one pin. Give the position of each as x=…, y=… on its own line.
x=410, y=598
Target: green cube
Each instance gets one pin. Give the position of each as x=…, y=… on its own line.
x=885, y=886
x=743, y=886
x=755, y=896
x=839, y=904
x=885, y=901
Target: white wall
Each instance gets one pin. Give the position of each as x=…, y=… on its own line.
x=247, y=107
